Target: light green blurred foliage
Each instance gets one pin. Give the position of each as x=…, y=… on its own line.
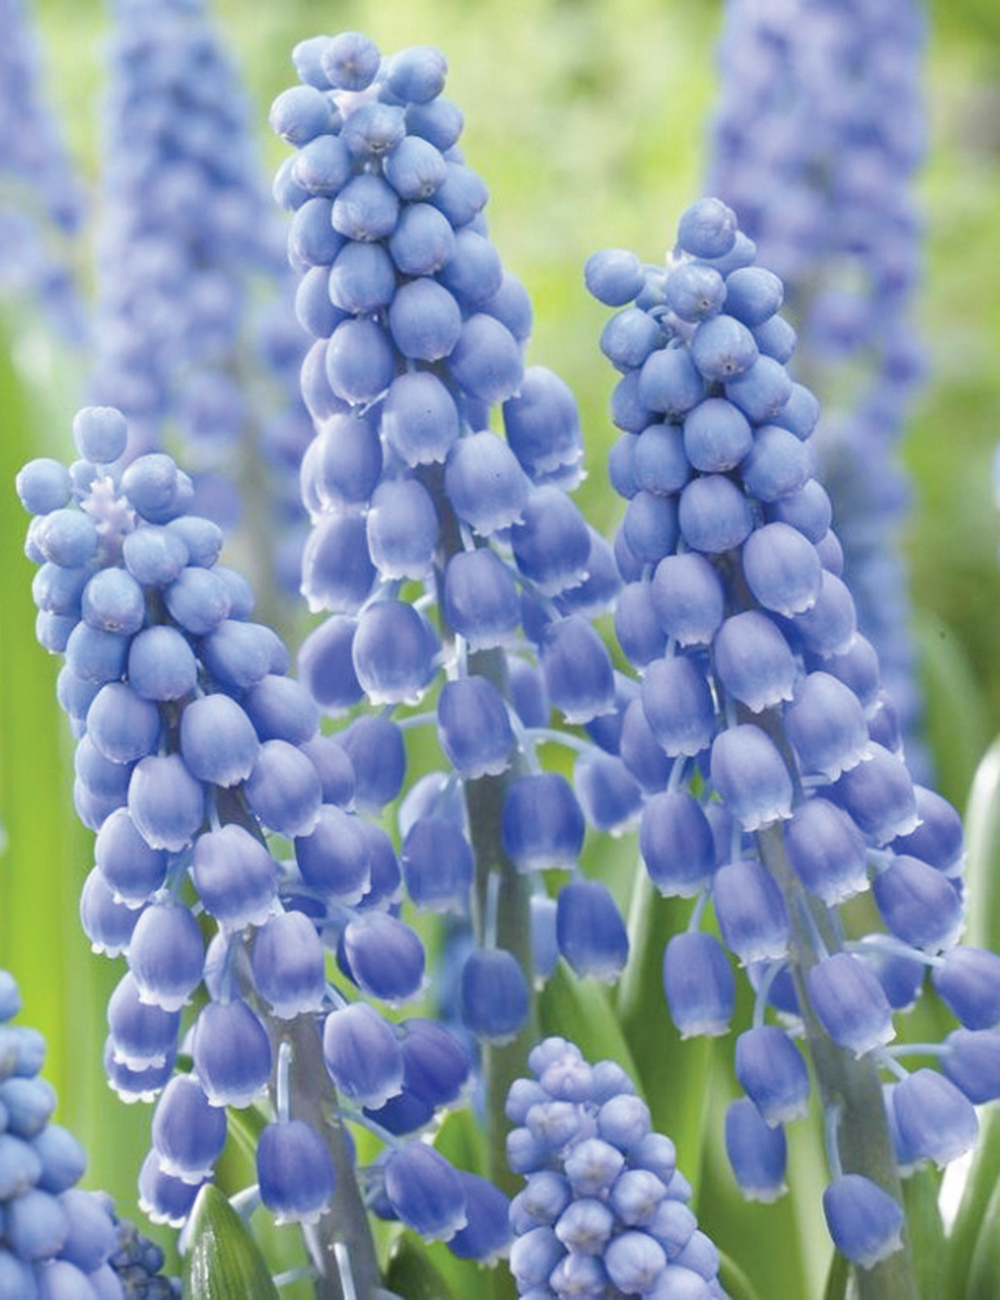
x=588, y=120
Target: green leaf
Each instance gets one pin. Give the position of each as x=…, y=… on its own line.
x=734, y=1281
x=581, y=1011
x=673, y=1074
x=838, y=1278
x=925, y=1232
x=954, y=708
x=983, y=1179
x=223, y=1260
x=982, y=846
x=985, y=1268
x=411, y=1273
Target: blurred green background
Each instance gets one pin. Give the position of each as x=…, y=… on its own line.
x=588, y=121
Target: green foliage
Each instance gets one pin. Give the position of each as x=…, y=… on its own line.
x=223, y=1261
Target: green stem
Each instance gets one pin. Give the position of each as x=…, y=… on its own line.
x=848, y=1084
x=344, y=1232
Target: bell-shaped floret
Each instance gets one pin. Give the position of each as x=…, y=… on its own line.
x=750, y=776
x=288, y=965
x=238, y=654
x=436, y=1066
x=850, y=1003
x=326, y=668
x=425, y=1191
x=494, y=994
x=608, y=793
x=542, y=424
x=918, y=904
x=590, y=931
x=162, y=1196
x=676, y=844
x=678, y=705
x=486, y=486
x=383, y=956
x=280, y=708
x=758, y=1152
x=829, y=626
x=936, y=1120
x=543, y=825
x=650, y=526
x=635, y=1262
x=342, y=464
x=334, y=857
x=637, y=626
x=753, y=660
x=714, y=515
x=551, y=542
x=750, y=910
x=968, y=981
x=235, y=875
x=122, y=725
x=438, y=865
x=166, y=803
x=362, y=1054
x=688, y=598
x=337, y=571
x=284, y=790
x=474, y=727
x=938, y=839
x=294, y=1172
x=866, y=1224
x=577, y=668
x=166, y=955
x=419, y=418
x=402, y=529
x=480, y=598
x=826, y=726
x=188, y=1132
x=879, y=796
x=486, y=360
x=218, y=741
x=374, y=744
x=143, y=1034
x=131, y=869
x=773, y=1074
x=486, y=1234
x=232, y=1053
x=777, y=466
x=827, y=851
x=782, y=569
x=393, y=652
x=971, y=1060
x=699, y=984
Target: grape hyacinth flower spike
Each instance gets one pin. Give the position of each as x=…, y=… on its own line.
x=604, y=1208
x=57, y=1239
x=450, y=560
x=220, y=812
x=775, y=784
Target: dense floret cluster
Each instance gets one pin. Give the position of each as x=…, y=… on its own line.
x=818, y=135
x=196, y=336
x=769, y=752
x=41, y=200
x=604, y=1210
x=55, y=1238
x=200, y=767
x=439, y=547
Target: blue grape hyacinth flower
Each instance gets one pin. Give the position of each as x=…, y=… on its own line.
x=232, y=869
x=57, y=1239
x=603, y=1206
x=450, y=561
x=818, y=158
x=775, y=783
